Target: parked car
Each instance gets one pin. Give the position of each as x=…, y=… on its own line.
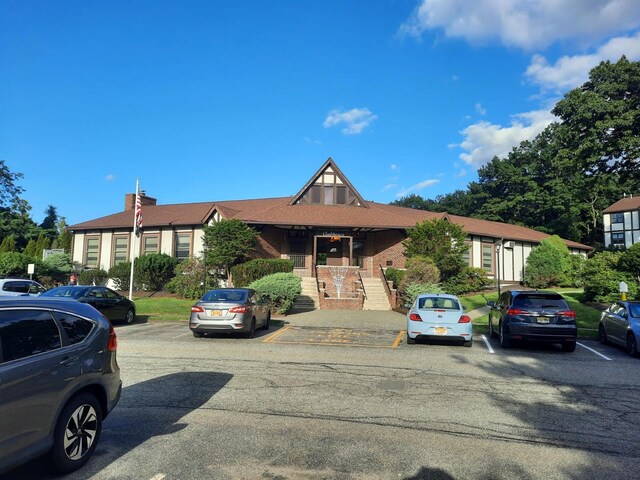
x=620, y=324
x=534, y=316
x=438, y=316
x=111, y=304
x=17, y=287
x=59, y=379
x=229, y=310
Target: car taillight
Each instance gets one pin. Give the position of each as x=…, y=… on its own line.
x=239, y=310
x=112, y=343
x=197, y=309
x=517, y=311
x=415, y=317
x=464, y=319
x=567, y=313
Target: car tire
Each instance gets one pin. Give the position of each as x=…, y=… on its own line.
x=130, y=316
x=252, y=329
x=198, y=334
x=505, y=342
x=76, y=434
x=568, y=346
x=632, y=345
x=469, y=343
x=410, y=341
x=602, y=334
x=492, y=334
x=267, y=322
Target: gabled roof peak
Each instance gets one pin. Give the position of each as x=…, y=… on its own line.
x=329, y=186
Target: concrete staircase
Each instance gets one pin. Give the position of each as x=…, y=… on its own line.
x=376, y=295
x=308, y=298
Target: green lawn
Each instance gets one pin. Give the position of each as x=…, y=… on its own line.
x=164, y=308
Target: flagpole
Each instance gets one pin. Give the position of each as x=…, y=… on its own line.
x=134, y=235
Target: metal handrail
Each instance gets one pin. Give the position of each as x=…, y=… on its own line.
x=364, y=292
x=386, y=282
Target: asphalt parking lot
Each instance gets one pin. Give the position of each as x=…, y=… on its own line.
x=347, y=398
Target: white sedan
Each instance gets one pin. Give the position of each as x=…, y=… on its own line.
x=438, y=316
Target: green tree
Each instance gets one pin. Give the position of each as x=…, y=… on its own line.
x=42, y=243
x=228, y=243
x=548, y=264
x=30, y=249
x=602, y=278
x=50, y=223
x=8, y=244
x=441, y=241
x=64, y=238
x=154, y=270
x=13, y=264
x=630, y=261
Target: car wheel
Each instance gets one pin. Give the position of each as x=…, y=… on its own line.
x=198, y=334
x=505, y=342
x=469, y=343
x=76, y=434
x=492, y=334
x=632, y=345
x=410, y=341
x=252, y=329
x=267, y=322
x=130, y=317
x=602, y=333
x=568, y=346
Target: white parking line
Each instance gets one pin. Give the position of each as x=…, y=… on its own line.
x=182, y=335
x=159, y=476
x=487, y=344
x=591, y=349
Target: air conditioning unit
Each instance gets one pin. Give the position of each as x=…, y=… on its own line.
x=509, y=244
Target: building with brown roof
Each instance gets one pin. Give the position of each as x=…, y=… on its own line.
x=327, y=223
x=622, y=223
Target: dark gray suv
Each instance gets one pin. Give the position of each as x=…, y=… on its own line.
x=533, y=315
x=59, y=379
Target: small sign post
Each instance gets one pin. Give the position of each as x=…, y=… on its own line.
x=30, y=269
x=624, y=288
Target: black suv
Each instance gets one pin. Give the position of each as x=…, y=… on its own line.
x=59, y=379
x=533, y=315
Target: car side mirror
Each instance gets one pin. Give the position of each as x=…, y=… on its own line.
x=491, y=304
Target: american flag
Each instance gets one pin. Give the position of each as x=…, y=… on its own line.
x=138, y=213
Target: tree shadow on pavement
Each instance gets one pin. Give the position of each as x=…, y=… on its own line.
x=147, y=409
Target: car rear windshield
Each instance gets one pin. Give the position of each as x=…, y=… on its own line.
x=225, y=296
x=438, y=302
x=69, y=292
x=539, y=300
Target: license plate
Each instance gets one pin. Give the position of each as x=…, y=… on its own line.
x=542, y=320
x=441, y=330
x=216, y=313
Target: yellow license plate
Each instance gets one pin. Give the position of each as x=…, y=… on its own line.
x=441, y=330
x=216, y=313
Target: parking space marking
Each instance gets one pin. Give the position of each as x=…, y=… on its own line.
x=487, y=344
x=270, y=338
x=159, y=476
x=331, y=336
x=594, y=351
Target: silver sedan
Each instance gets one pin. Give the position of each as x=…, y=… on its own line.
x=229, y=310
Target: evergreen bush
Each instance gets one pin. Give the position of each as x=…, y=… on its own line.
x=248, y=272
x=412, y=290
x=280, y=289
x=14, y=264
x=154, y=270
x=395, y=275
x=470, y=279
x=188, y=279
x=95, y=276
x=602, y=278
x=548, y=264
x=120, y=275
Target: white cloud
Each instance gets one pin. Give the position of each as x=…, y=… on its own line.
x=389, y=186
x=461, y=173
x=525, y=24
x=417, y=187
x=356, y=120
x=110, y=177
x=393, y=166
x=571, y=71
x=484, y=140
x=480, y=109
x=312, y=141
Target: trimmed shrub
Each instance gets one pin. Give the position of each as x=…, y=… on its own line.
x=412, y=290
x=154, y=270
x=14, y=264
x=548, y=264
x=470, y=279
x=93, y=277
x=602, y=278
x=189, y=278
x=421, y=270
x=120, y=274
x=630, y=261
x=395, y=275
x=575, y=274
x=253, y=270
x=280, y=289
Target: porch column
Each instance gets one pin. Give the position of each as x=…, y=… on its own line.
x=315, y=256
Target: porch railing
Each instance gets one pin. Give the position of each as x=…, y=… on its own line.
x=298, y=259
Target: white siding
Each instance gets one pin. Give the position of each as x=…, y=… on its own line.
x=607, y=239
x=635, y=218
x=606, y=220
x=636, y=236
x=518, y=259
x=105, y=251
x=627, y=219
x=507, y=266
x=198, y=244
x=628, y=238
x=477, y=253
x=78, y=247
x=167, y=240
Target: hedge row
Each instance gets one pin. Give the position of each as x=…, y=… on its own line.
x=253, y=270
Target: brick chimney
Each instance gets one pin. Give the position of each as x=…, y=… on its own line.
x=130, y=201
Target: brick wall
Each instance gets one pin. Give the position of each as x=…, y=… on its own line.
x=269, y=243
x=386, y=247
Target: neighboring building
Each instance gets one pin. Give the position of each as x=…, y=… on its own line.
x=326, y=223
x=622, y=223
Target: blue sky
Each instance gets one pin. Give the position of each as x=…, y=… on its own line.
x=221, y=100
